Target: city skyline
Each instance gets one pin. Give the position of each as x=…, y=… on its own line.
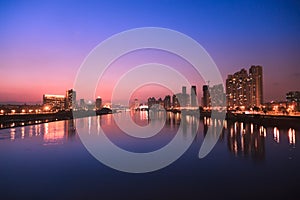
x=44, y=44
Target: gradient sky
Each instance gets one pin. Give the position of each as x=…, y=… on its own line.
x=43, y=43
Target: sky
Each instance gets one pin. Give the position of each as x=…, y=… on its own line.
x=43, y=43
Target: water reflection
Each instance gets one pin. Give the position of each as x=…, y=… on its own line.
x=246, y=140
x=52, y=133
x=292, y=136
x=276, y=135
x=241, y=138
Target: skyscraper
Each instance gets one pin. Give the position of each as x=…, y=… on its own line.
x=98, y=103
x=243, y=89
x=167, y=102
x=256, y=85
x=70, y=99
x=194, y=102
x=205, y=98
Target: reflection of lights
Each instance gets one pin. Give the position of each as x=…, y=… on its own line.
x=235, y=147
x=276, y=134
x=98, y=125
x=46, y=126
x=241, y=128
x=30, y=131
x=143, y=115
x=235, y=127
x=22, y=132
x=53, y=135
x=292, y=136
x=225, y=124
x=90, y=124
x=262, y=131
x=251, y=127
x=231, y=132
x=12, y=133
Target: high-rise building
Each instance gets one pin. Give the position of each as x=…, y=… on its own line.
x=217, y=96
x=245, y=90
x=167, y=102
x=98, y=103
x=70, y=99
x=205, y=98
x=151, y=101
x=54, y=102
x=82, y=104
x=256, y=85
x=175, y=101
x=183, y=89
x=194, y=102
x=183, y=97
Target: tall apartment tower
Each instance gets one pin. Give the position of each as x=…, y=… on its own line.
x=243, y=89
x=256, y=83
x=194, y=102
x=205, y=98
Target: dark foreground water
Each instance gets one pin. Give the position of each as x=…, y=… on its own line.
x=249, y=161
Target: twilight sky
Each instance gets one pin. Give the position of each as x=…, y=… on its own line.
x=43, y=43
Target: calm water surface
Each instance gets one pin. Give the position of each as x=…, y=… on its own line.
x=49, y=161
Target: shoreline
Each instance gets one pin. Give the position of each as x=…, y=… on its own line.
x=19, y=120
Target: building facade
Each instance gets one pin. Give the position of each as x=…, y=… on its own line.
x=54, y=102
x=194, y=101
x=245, y=89
x=98, y=103
x=205, y=98
x=70, y=99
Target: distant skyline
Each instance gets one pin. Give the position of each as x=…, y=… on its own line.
x=43, y=43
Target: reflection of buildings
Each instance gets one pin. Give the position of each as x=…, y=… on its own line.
x=246, y=139
x=243, y=89
x=188, y=123
x=70, y=128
